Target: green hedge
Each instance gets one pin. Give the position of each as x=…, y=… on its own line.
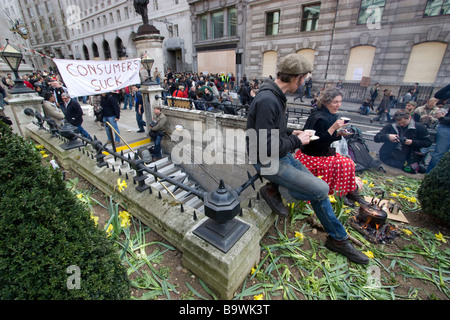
x=434, y=192
x=44, y=230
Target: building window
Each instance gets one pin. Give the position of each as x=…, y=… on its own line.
x=217, y=24
x=203, y=27
x=310, y=17
x=360, y=62
x=425, y=62
x=371, y=9
x=232, y=18
x=437, y=8
x=272, y=23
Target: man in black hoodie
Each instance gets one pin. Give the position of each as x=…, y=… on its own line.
x=267, y=131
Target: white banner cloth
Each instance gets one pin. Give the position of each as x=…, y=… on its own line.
x=92, y=77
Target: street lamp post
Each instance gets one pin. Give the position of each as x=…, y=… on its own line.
x=147, y=62
x=13, y=58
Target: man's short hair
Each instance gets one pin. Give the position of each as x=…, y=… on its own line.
x=401, y=114
x=157, y=107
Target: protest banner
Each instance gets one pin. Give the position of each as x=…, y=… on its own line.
x=92, y=77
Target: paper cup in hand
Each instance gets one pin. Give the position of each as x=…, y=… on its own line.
x=310, y=132
x=346, y=120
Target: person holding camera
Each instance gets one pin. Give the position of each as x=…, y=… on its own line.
x=402, y=142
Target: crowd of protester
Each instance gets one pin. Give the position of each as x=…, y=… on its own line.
x=226, y=93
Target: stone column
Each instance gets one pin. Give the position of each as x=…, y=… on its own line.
x=149, y=93
x=17, y=103
x=149, y=40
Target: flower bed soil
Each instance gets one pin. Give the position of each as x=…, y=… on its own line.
x=180, y=277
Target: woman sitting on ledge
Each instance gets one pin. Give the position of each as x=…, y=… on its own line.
x=319, y=157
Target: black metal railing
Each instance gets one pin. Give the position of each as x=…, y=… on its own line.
x=221, y=206
x=214, y=106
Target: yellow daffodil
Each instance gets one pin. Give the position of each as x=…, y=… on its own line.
x=365, y=181
x=80, y=195
x=407, y=232
x=412, y=199
x=440, y=237
x=253, y=270
x=299, y=235
x=369, y=254
x=371, y=185
x=393, y=194
x=258, y=297
x=407, y=189
x=332, y=199
x=109, y=230
x=401, y=195
x=39, y=146
x=320, y=177
x=124, y=219
x=94, y=218
x=121, y=185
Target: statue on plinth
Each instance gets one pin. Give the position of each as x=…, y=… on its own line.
x=141, y=8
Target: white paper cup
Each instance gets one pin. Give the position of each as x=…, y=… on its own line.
x=346, y=120
x=310, y=132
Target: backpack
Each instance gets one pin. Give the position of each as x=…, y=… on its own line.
x=359, y=151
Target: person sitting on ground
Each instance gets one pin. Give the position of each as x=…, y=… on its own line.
x=427, y=113
x=402, y=141
x=51, y=110
x=410, y=107
x=319, y=157
x=364, y=109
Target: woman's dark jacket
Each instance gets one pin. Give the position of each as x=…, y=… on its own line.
x=321, y=120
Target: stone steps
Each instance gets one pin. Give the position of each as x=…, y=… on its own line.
x=168, y=168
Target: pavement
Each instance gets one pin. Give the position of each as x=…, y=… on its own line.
x=127, y=126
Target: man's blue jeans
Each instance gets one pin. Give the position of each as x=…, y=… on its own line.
x=303, y=185
x=140, y=121
x=157, y=150
x=442, y=145
x=114, y=125
x=128, y=100
x=83, y=132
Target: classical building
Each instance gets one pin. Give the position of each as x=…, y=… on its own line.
x=104, y=30
x=219, y=34
x=396, y=43
x=392, y=42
